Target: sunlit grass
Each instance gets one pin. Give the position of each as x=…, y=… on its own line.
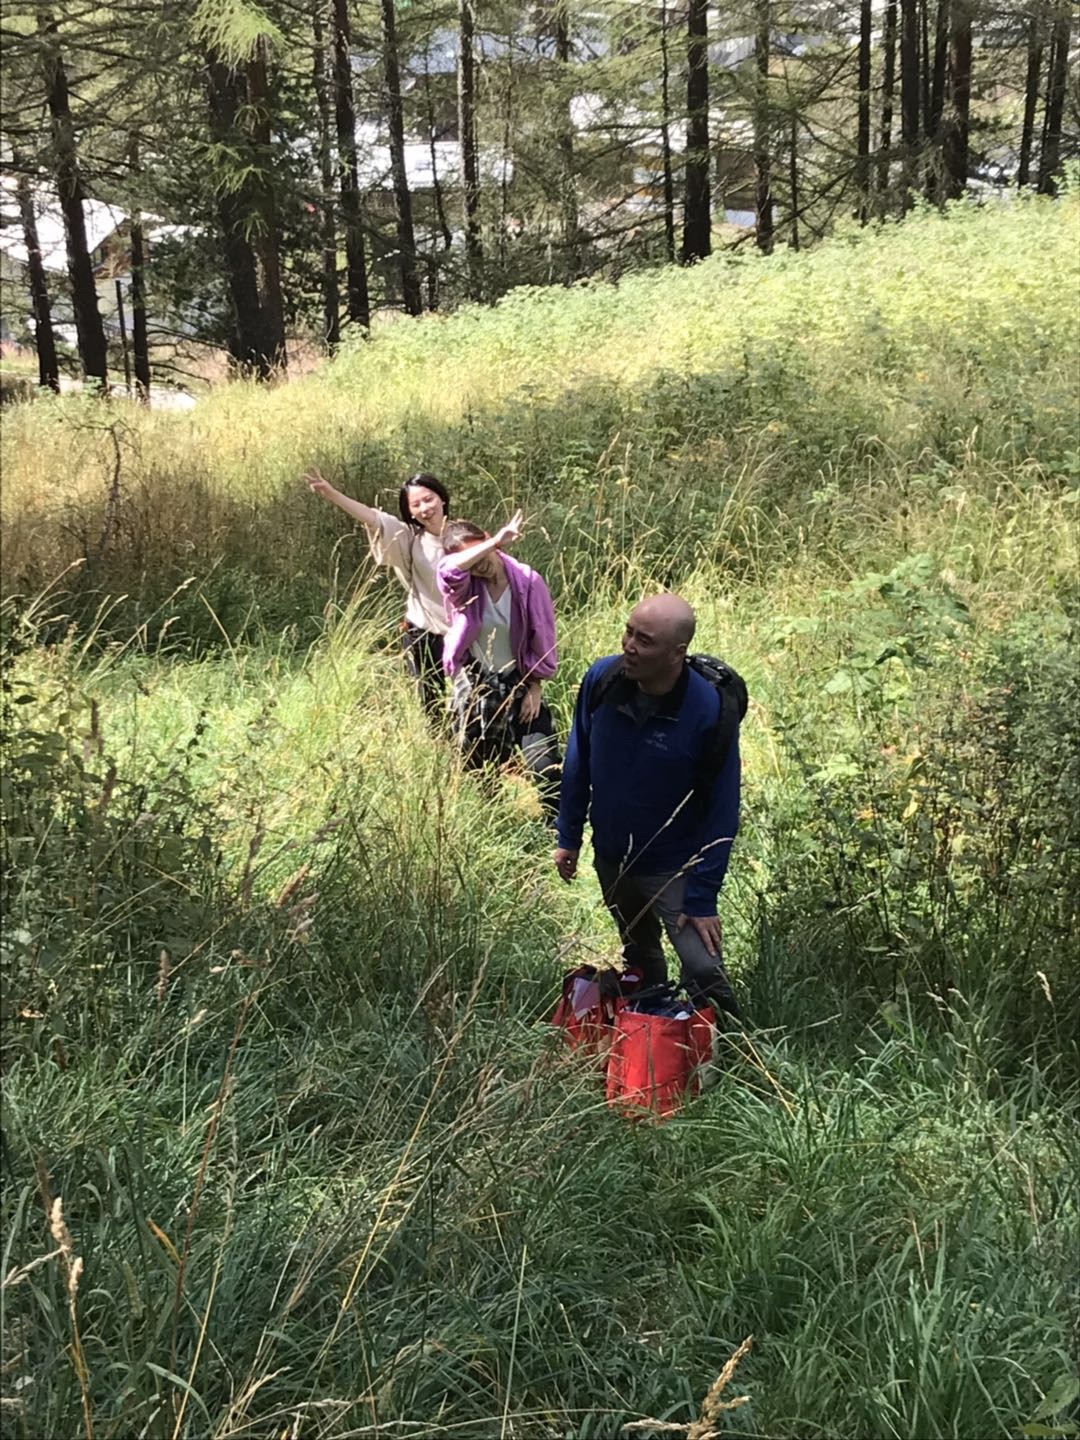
x=278, y=967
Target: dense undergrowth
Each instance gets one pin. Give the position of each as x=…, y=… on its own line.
x=276, y=971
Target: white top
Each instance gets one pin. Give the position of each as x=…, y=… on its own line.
x=492, y=646
x=413, y=555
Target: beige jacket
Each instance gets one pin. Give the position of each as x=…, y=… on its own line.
x=413, y=555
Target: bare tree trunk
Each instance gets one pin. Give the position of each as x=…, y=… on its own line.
x=436, y=183
x=265, y=198
x=665, y=136
x=93, y=352
x=470, y=170
x=331, y=295
x=763, y=201
x=249, y=343
x=1050, y=157
x=909, y=91
x=44, y=340
x=888, y=93
x=507, y=157
x=140, y=340
x=359, y=305
x=1031, y=97
x=941, y=61
x=395, y=116
x=862, y=148
x=565, y=141
x=440, y=228
x=954, y=140
x=924, y=67
x=697, y=217
x=793, y=178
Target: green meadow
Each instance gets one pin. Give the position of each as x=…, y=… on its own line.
x=289, y=1150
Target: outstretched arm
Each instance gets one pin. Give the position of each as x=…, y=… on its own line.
x=319, y=485
x=506, y=535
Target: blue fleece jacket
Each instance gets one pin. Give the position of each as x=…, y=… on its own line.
x=636, y=779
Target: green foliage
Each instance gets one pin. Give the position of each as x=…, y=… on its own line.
x=276, y=969
x=830, y=402
x=234, y=28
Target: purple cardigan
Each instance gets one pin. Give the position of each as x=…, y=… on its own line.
x=532, y=617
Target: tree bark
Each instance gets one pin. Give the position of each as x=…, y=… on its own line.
x=1050, y=158
x=359, y=306
x=44, y=340
x=507, y=159
x=888, y=93
x=909, y=91
x=925, y=65
x=665, y=136
x=470, y=170
x=565, y=142
x=954, y=140
x=140, y=342
x=267, y=254
x=328, y=279
x=862, y=147
x=941, y=60
x=763, y=202
x=395, y=115
x=249, y=343
x=93, y=351
x=1031, y=98
x=697, y=218
x=793, y=178
x=436, y=183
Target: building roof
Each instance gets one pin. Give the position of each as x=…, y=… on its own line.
x=101, y=221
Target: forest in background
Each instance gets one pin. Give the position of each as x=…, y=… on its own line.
x=288, y=1147
x=281, y=174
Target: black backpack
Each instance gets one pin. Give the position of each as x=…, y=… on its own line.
x=734, y=698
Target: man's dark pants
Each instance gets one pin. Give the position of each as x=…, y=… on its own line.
x=640, y=905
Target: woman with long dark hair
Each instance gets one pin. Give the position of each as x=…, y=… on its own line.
x=499, y=649
x=411, y=545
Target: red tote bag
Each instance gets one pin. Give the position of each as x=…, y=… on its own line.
x=654, y=1060
x=583, y=1014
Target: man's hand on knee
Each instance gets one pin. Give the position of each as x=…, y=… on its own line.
x=708, y=927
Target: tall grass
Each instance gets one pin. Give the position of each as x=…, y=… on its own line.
x=752, y=404
x=277, y=969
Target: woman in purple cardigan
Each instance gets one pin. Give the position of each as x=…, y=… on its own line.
x=499, y=649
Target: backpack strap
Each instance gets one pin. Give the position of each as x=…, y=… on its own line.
x=604, y=686
x=732, y=693
x=720, y=741
x=734, y=699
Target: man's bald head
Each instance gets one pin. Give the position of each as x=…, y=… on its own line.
x=657, y=637
x=670, y=614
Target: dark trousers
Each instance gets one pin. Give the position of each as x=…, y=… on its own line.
x=423, y=651
x=489, y=730
x=644, y=905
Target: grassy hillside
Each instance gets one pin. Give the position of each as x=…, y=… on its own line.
x=276, y=970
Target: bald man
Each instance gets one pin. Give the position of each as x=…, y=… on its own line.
x=663, y=818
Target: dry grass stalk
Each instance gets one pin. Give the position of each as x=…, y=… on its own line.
x=164, y=971
x=248, y=878
x=19, y=1273
x=73, y=1264
x=712, y=1407
x=291, y=886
